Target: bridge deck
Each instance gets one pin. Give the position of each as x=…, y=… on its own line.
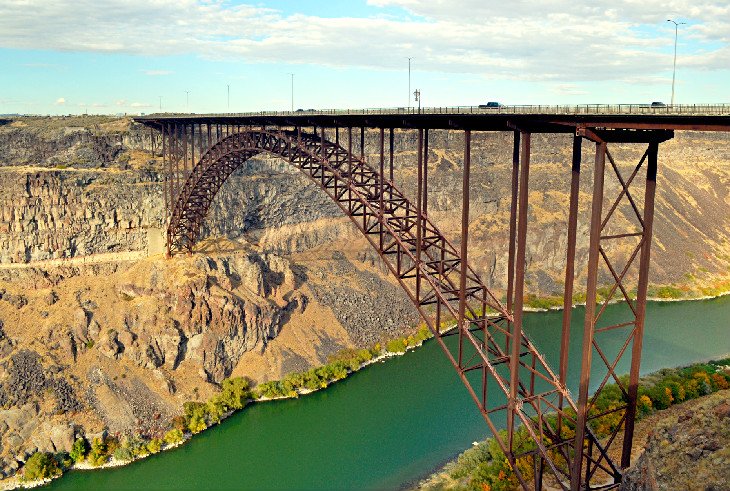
x=536, y=119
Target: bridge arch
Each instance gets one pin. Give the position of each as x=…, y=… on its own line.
x=425, y=263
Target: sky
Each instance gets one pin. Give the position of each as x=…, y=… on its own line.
x=203, y=56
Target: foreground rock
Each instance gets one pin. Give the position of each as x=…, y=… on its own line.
x=687, y=450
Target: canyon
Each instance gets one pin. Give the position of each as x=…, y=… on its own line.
x=100, y=333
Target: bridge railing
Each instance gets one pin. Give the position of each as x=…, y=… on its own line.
x=588, y=109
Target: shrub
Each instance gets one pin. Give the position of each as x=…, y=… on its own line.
x=40, y=465
x=79, y=450
x=196, y=415
x=396, y=346
x=719, y=381
x=235, y=392
x=63, y=460
x=178, y=422
x=154, y=445
x=135, y=445
x=98, y=454
x=173, y=436
x=644, y=405
x=122, y=454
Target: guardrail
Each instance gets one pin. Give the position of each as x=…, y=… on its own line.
x=588, y=109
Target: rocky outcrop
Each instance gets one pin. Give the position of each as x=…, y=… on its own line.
x=687, y=450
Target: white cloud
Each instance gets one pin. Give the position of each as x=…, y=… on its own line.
x=551, y=40
x=60, y=101
x=140, y=105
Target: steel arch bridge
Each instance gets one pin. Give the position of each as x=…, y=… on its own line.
x=487, y=347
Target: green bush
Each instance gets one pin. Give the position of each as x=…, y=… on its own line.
x=99, y=452
x=396, y=346
x=668, y=292
x=173, y=437
x=154, y=446
x=79, y=450
x=123, y=454
x=235, y=393
x=196, y=415
x=40, y=465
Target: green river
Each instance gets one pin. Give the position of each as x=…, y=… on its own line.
x=392, y=423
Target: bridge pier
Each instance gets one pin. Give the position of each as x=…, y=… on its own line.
x=491, y=346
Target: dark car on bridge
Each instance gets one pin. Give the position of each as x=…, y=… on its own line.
x=490, y=105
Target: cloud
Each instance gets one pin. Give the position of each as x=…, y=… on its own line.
x=140, y=105
x=60, y=101
x=569, y=89
x=546, y=40
x=157, y=73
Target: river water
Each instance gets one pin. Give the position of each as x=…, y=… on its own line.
x=389, y=424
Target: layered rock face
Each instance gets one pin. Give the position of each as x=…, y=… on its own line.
x=47, y=212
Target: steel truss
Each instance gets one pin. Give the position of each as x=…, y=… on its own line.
x=486, y=345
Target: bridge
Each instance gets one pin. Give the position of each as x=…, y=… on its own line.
x=490, y=348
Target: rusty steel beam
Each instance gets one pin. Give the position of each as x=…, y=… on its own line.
x=512, y=226
x=589, y=325
x=519, y=293
x=462, y=323
x=424, y=207
x=569, y=268
x=650, y=191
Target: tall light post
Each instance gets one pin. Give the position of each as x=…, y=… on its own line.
x=228, y=95
x=187, y=100
x=409, y=83
x=160, y=103
x=674, y=69
x=292, y=92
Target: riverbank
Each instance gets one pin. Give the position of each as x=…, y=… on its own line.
x=546, y=304
x=484, y=466
x=200, y=417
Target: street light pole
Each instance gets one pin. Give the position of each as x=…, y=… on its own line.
x=160, y=103
x=187, y=100
x=409, y=83
x=674, y=69
x=292, y=92
x=228, y=95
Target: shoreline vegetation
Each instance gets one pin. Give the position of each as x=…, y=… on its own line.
x=663, y=293
x=236, y=393
x=484, y=467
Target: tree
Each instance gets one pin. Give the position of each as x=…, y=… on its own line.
x=154, y=445
x=235, y=392
x=122, y=454
x=40, y=465
x=173, y=436
x=98, y=454
x=79, y=450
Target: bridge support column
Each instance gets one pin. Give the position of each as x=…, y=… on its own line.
x=512, y=227
x=462, y=322
x=569, y=271
x=516, y=334
x=593, y=257
x=649, y=193
x=591, y=461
